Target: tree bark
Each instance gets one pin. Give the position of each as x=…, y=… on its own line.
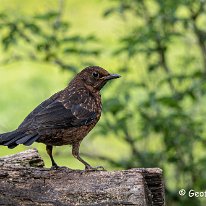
x=24, y=181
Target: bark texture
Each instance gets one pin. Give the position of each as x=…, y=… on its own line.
x=24, y=181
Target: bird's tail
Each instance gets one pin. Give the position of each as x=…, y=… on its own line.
x=16, y=137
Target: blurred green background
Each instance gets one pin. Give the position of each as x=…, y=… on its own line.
x=154, y=116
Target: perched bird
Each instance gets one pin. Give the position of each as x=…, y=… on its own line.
x=66, y=117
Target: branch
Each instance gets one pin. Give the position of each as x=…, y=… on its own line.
x=199, y=33
x=22, y=183
x=161, y=50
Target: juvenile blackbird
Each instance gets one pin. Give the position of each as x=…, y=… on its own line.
x=66, y=117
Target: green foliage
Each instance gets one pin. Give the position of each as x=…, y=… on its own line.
x=156, y=111
x=45, y=38
x=171, y=113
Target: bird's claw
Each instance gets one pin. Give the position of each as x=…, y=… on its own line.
x=90, y=168
x=56, y=167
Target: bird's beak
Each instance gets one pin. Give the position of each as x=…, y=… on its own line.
x=112, y=76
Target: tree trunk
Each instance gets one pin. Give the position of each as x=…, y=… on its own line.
x=24, y=181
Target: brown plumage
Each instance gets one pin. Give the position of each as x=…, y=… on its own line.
x=66, y=117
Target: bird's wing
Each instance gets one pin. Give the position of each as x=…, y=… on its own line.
x=66, y=111
x=27, y=121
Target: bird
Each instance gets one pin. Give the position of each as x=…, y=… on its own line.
x=66, y=117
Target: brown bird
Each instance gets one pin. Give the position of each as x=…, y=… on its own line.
x=66, y=117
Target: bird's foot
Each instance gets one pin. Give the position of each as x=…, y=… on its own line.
x=90, y=168
x=56, y=167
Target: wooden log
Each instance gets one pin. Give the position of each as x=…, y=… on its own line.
x=24, y=181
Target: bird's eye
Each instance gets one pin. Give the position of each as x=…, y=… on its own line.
x=95, y=74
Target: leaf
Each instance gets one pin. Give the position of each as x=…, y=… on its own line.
x=169, y=101
x=47, y=16
x=81, y=51
x=32, y=27
x=60, y=25
x=153, y=67
x=79, y=39
x=8, y=40
x=114, y=105
x=109, y=11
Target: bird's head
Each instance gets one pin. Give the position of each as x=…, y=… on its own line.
x=95, y=77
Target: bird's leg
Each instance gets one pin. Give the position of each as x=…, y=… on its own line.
x=75, y=153
x=49, y=152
